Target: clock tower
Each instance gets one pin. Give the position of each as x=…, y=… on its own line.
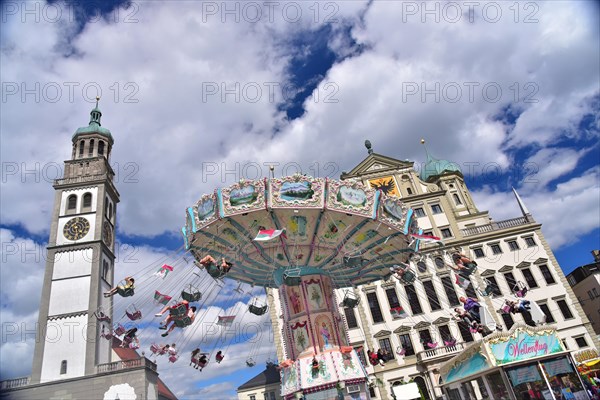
x=80, y=261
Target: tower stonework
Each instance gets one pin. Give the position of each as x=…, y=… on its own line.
x=80, y=261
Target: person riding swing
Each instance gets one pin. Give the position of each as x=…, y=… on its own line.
x=125, y=290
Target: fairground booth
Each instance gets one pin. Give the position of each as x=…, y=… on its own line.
x=524, y=363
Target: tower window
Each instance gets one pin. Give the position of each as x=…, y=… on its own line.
x=436, y=209
x=100, y=147
x=564, y=309
x=529, y=278
x=422, y=267
x=350, y=318
x=105, y=270
x=409, y=191
x=456, y=199
x=87, y=200
x=529, y=241
x=419, y=212
x=72, y=202
x=110, y=210
x=91, y=150
x=63, y=367
x=439, y=263
x=81, y=146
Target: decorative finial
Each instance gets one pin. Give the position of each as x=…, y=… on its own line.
x=368, y=146
x=97, y=100
x=422, y=141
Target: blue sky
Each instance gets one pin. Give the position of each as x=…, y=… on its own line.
x=197, y=97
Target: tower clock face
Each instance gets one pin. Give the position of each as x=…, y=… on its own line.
x=76, y=228
x=107, y=233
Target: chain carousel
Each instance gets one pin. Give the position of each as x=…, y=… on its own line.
x=304, y=237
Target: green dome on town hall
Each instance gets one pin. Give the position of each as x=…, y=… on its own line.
x=95, y=126
x=435, y=167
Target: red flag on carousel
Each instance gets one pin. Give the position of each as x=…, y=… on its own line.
x=163, y=271
x=161, y=298
x=268, y=234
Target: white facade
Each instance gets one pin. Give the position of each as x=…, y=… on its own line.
x=65, y=343
x=515, y=246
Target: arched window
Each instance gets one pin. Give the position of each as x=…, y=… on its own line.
x=439, y=263
x=110, y=210
x=72, y=203
x=63, y=367
x=421, y=266
x=100, y=147
x=91, y=150
x=422, y=387
x=81, y=146
x=456, y=199
x=87, y=200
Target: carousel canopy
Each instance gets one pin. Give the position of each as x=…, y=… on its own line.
x=273, y=229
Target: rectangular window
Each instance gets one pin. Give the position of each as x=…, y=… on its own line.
x=406, y=343
x=508, y=320
x=350, y=318
x=413, y=299
x=465, y=333
x=361, y=355
x=374, y=306
x=434, y=302
x=595, y=291
x=564, y=309
x=425, y=337
x=450, y=291
x=591, y=294
x=496, y=248
x=470, y=291
x=510, y=281
x=546, y=310
x=513, y=245
x=252, y=397
x=428, y=233
x=392, y=297
x=531, y=282
x=446, y=233
x=63, y=367
x=479, y=253
x=496, y=289
x=530, y=241
x=419, y=212
x=436, y=209
x=445, y=333
x=581, y=342
x=386, y=345
x=547, y=274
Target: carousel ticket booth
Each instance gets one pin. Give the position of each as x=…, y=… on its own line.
x=524, y=363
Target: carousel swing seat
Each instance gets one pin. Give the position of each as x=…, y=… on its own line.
x=191, y=295
x=291, y=277
x=489, y=289
x=408, y=277
x=101, y=315
x=124, y=290
x=250, y=362
x=133, y=313
x=119, y=330
x=350, y=299
x=178, y=311
x=183, y=322
x=258, y=310
x=520, y=289
x=401, y=351
x=215, y=271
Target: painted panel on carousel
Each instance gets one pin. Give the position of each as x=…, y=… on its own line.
x=320, y=374
x=205, y=211
x=347, y=365
x=314, y=293
x=324, y=332
x=300, y=337
x=393, y=212
x=295, y=300
x=351, y=197
x=297, y=191
x=386, y=184
x=290, y=381
x=242, y=197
